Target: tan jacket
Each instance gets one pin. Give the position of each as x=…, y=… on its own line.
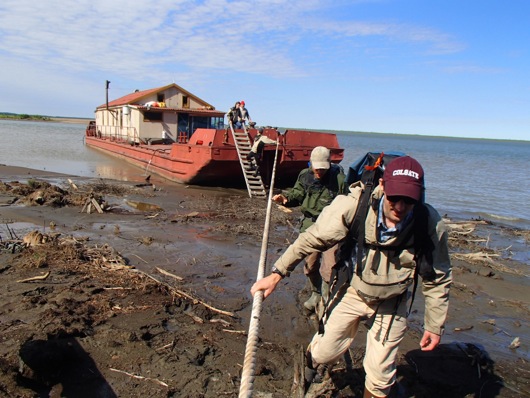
x=258, y=140
x=333, y=225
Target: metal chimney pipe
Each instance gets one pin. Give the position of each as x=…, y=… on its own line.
x=107, y=93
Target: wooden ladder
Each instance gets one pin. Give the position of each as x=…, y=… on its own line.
x=254, y=183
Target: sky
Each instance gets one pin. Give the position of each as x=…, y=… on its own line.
x=457, y=68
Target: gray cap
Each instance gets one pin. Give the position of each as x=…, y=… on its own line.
x=320, y=158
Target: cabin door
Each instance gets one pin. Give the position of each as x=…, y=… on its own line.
x=183, y=127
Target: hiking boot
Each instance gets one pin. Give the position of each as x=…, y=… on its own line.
x=313, y=373
x=309, y=376
x=309, y=370
x=315, y=280
x=312, y=302
x=321, y=372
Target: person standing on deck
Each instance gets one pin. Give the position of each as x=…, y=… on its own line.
x=244, y=116
x=232, y=117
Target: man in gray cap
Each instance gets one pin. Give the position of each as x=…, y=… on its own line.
x=314, y=189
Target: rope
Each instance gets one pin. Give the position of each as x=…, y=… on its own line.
x=249, y=364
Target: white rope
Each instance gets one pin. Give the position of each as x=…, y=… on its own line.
x=249, y=364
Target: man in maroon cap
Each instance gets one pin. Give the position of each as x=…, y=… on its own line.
x=379, y=288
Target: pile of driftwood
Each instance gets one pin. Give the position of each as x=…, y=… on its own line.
x=91, y=202
x=103, y=256
x=465, y=232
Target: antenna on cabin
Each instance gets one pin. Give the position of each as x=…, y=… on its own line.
x=107, y=82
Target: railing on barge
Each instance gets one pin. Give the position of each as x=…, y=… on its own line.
x=113, y=133
x=124, y=134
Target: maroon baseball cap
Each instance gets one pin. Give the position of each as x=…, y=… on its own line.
x=403, y=176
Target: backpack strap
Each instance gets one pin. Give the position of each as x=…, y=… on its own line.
x=423, y=245
x=423, y=248
x=357, y=230
x=358, y=226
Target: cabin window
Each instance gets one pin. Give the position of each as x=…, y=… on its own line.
x=153, y=116
x=217, y=123
x=185, y=101
x=199, y=122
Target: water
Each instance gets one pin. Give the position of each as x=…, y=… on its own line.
x=60, y=148
x=465, y=178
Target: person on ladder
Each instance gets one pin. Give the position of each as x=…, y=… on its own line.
x=256, y=152
x=315, y=188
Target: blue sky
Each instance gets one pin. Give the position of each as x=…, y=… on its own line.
x=452, y=68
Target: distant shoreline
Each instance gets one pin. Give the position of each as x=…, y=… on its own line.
x=73, y=120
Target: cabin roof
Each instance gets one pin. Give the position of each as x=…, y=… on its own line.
x=135, y=97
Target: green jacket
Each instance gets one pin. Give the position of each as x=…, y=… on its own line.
x=312, y=195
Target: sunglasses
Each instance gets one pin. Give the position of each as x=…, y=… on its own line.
x=406, y=199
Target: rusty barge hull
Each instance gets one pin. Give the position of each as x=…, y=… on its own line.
x=206, y=161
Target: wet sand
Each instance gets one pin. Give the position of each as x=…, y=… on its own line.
x=71, y=120
x=211, y=238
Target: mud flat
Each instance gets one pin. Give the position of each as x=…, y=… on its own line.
x=150, y=298
x=74, y=120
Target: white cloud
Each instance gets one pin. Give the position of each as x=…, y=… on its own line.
x=56, y=55
x=138, y=38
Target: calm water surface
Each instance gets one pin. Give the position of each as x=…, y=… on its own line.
x=60, y=148
x=465, y=178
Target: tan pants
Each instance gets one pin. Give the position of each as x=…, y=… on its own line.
x=340, y=330
x=313, y=263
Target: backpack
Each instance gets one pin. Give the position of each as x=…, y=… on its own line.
x=368, y=170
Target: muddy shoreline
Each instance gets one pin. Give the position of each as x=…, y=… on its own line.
x=140, y=336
